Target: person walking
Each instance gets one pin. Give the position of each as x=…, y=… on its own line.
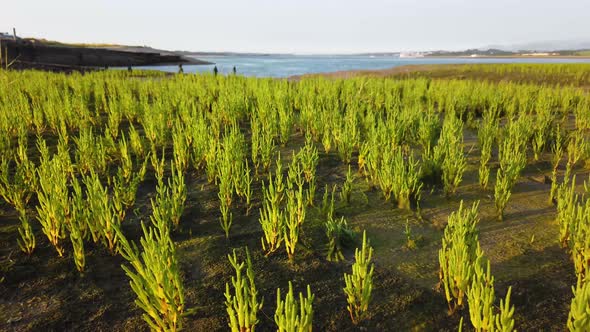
x=215, y=70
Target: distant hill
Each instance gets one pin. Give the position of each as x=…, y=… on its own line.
x=545, y=46
x=469, y=52
x=495, y=52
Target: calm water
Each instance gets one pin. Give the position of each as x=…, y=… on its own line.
x=289, y=65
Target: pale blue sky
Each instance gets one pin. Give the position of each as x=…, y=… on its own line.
x=303, y=26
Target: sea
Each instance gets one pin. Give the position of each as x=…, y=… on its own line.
x=292, y=65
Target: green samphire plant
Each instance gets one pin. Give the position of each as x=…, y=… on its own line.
x=399, y=176
x=292, y=315
x=294, y=218
x=346, y=191
x=557, y=152
x=512, y=154
x=78, y=226
x=272, y=216
x=339, y=235
x=458, y=254
x=104, y=219
x=54, y=208
x=450, y=151
x=486, y=135
x=359, y=284
x=242, y=305
x=579, y=316
x=480, y=296
x=505, y=318
x=154, y=275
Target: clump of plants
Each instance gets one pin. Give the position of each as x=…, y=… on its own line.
x=579, y=318
x=486, y=135
x=154, y=275
x=512, y=155
x=272, y=218
x=293, y=315
x=339, y=236
x=54, y=208
x=449, y=153
x=399, y=175
x=242, y=305
x=458, y=254
x=359, y=284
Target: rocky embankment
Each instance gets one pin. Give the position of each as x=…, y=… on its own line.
x=27, y=54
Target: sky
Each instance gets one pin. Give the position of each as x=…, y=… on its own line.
x=300, y=26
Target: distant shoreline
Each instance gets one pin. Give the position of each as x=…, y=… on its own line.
x=582, y=57
x=443, y=70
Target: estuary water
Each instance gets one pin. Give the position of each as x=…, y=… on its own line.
x=289, y=65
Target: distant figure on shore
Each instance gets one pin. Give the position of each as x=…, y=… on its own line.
x=180, y=70
x=234, y=70
x=215, y=70
x=129, y=69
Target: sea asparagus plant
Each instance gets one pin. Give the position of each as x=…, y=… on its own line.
x=226, y=191
x=486, y=136
x=17, y=192
x=339, y=235
x=294, y=218
x=272, y=217
x=458, y=254
x=579, y=317
x=27, y=241
x=243, y=304
x=576, y=149
x=556, y=156
x=359, y=284
x=292, y=315
x=154, y=275
x=78, y=226
x=505, y=319
x=450, y=147
x=399, y=176
x=54, y=208
x=480, y=296
x=346, y=190
x=327, y=207
x=104, y=219
x=512, y=154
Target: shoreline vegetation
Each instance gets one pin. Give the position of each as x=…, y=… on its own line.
x=543, y=74
x=420, y=198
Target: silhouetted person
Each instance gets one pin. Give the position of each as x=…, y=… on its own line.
x=129, y=69
x=215, y=70
x=180, y=70
x=234, y=70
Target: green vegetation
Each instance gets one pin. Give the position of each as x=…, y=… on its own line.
x=579, y=318
x=359, y=284
x=458, y=254
x=293, y=316
x=339, y=235
x=155, y=276
x=540, y=74
x=243, y=304
x=293, y=169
